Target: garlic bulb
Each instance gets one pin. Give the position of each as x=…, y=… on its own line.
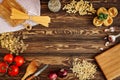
x=54, y=5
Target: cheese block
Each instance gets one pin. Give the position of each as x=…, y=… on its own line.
x=109, y=62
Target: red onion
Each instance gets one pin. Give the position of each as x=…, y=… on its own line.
x=62, y=73
x=52, y=76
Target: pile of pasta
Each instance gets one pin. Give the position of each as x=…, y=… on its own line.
x=15, y=14
x=105, y=17
x=5, y=12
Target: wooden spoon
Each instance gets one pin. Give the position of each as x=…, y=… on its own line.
x=32, y=67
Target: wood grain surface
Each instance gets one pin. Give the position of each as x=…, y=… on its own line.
x=68, y=36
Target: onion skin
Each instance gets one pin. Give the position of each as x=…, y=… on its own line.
x=62, y=73
x=52, y=76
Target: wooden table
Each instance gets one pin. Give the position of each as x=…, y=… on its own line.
x=68, y=36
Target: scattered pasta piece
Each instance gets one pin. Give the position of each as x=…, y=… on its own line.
x=27, y=26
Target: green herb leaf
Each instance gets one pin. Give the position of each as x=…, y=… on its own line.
x=102, y=16
x=105, y=16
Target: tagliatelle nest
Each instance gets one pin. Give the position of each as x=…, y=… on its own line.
x=83, y=69
x=13, y=43
x=82, y=7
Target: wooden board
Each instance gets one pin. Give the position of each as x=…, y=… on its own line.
x=109, y=61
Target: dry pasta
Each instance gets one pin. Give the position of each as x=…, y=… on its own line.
x=83, y=69
x=5, y=11
x=13, y=43
x=82, y=7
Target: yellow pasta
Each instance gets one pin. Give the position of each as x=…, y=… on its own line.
x=5, y=11
x=16, y=14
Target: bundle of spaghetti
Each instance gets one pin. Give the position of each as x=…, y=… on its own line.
x=5, y=11
x=12, y=4
x=43, y=20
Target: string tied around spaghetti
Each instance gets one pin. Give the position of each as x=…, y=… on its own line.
x=30, y=17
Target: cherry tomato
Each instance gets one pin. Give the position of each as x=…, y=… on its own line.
x=13, y=70
x=19, y=60
x=8, y=58
x=3, y=67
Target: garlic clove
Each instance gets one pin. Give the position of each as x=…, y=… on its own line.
x=112, y=38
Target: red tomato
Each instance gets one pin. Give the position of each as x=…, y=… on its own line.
x=3, y=67
x=8, y=58
x=19, y=60
x=13, y=70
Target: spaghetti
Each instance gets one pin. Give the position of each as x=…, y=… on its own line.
x=17, y=14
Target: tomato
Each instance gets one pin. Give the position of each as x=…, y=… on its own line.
x=19, y=60
x=13, y=70
x=3, y=67
x=8, y=58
